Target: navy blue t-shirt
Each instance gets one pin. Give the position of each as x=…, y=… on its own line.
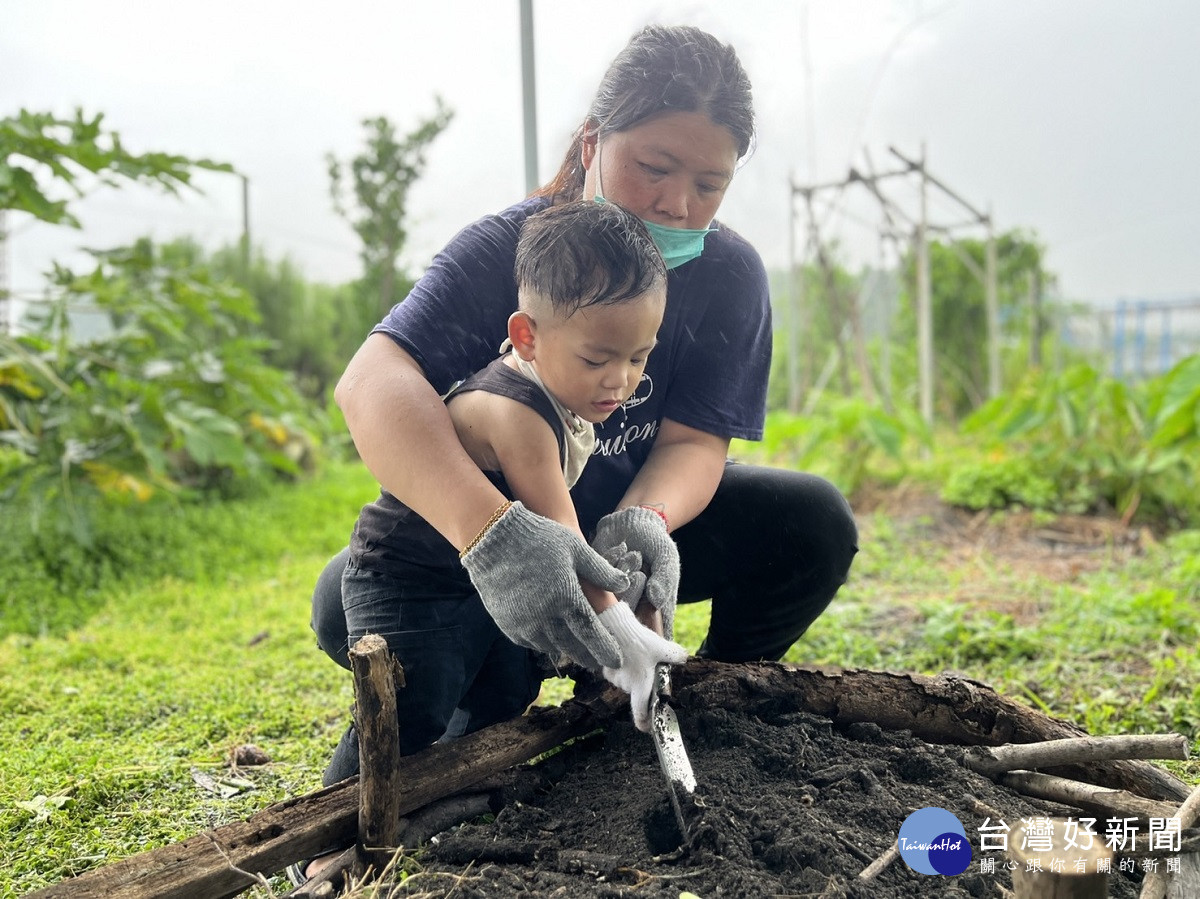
x=709, y=370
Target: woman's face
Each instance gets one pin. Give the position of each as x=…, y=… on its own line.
x=672, y=169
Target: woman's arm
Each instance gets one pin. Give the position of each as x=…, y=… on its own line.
x=527, y=452
x=681, y=473
x=404, y=435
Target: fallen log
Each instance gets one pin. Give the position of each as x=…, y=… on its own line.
x=943, y=709
x=223, y=861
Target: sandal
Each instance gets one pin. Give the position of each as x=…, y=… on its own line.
x=295, y=872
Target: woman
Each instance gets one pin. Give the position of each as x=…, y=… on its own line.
x=663, y=138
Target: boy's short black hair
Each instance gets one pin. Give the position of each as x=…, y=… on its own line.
x=585, y=253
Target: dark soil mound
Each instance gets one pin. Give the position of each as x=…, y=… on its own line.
x=787, y=805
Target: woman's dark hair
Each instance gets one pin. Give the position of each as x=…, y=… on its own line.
x=584, y=253
x=662, y=69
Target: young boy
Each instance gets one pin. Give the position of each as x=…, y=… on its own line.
x=591, y=296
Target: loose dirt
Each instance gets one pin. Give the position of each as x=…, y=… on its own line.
x=786, y=805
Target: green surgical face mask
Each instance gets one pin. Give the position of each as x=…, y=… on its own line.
x=677, y=245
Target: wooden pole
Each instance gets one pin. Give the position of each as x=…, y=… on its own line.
x=377, y=675
x=1048, y=867
x=791, y=311
x=992, y=304
x=1101, y=800
x=924, y=303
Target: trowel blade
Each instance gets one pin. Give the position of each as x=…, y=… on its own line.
x=668, y=741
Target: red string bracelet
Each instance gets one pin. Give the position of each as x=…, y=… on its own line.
x=660, y=513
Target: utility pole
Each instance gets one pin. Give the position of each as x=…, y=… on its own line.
x=245, y=226
x=924, y=301
x=5, y=289
x=529, y=96
x=791, y=311
x=918, y=229
x=992, y=304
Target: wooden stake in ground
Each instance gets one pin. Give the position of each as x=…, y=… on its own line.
x=1047, y=867
x=377, y=675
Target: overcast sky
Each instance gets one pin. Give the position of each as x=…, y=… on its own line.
x=1076, y=119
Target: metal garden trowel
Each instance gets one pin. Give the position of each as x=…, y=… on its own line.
x=672, y=756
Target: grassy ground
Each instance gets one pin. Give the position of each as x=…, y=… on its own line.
x=112, y=728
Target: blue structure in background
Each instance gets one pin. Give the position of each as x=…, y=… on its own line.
x=1143, y=337
x=1138, y=325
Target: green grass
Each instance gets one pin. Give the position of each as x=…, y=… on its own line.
x=1114, y=649
x=107, y=723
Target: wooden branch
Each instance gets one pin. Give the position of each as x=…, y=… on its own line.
x=1157, y=883
x=417, y=828
x=378, y=752
x=302, y=827
x=1100, y=800
x=1189, y=811
x=877, y=867
x=993, y=760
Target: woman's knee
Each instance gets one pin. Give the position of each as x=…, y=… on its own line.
x=805, y=516
x=830, y=514
x=328, y=618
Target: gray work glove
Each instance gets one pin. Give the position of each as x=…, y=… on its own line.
x=629, y=562
x=643, y=531
x=641, y=651
x=527, y=570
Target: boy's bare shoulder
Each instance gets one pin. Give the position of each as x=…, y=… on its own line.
x=491, y=426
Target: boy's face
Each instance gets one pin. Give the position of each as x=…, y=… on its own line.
x=592, y=361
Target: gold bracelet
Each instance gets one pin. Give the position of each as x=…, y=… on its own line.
x=496, y=516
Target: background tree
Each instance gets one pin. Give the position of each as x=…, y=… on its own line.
x=38, y=149
x=377, y=181
x=143, y=375
x=313, y=328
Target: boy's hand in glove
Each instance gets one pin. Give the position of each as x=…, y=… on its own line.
x=641, y=650
x=527, y=570
x=644, y=531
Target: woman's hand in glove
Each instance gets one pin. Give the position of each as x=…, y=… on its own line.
x=643, y=531
x=527, y=570
x=641, y=650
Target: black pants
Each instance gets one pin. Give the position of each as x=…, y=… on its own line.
x=770, y=551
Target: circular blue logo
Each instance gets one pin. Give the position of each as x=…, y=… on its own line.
x=933, y=841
